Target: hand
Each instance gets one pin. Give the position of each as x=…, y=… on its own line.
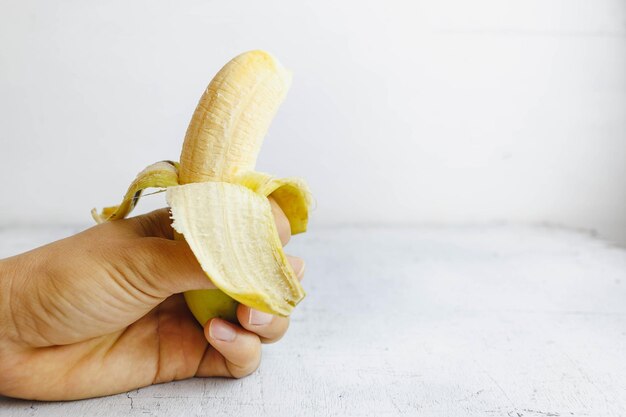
x=101, y=312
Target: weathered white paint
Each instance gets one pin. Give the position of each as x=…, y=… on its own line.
x=434, y=321
x=417, y=110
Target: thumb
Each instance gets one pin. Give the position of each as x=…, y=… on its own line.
x=168, y=267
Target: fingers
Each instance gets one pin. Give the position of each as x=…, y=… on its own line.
x=234, y=352
x=268, y=327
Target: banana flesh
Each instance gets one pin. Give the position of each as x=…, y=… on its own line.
x=219, y=203
x=232, y=117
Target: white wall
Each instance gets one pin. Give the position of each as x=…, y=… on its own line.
x=414, y=111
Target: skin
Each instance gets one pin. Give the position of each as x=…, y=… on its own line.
x=101, y=312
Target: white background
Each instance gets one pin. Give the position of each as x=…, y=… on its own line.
x=400, y=112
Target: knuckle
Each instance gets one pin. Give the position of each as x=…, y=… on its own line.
x=140, y=263
x=144, y=224
x=151, y=224
x=143, y=253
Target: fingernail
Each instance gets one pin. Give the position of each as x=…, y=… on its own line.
x=297, y=264
x=259, y=318
x=220, y=330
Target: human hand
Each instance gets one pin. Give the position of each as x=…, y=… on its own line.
x=101, y=312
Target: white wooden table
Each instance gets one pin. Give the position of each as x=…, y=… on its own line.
x=440, y=321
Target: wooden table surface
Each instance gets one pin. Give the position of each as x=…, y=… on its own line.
x=434, y=321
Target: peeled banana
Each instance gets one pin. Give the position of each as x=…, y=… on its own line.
x=219, y=203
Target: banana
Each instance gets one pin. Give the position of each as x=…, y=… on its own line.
x=219, y=204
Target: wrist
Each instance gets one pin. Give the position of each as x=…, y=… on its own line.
x=8, y=331
x=7, y=326
x=15, y=272
x=6, y=278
